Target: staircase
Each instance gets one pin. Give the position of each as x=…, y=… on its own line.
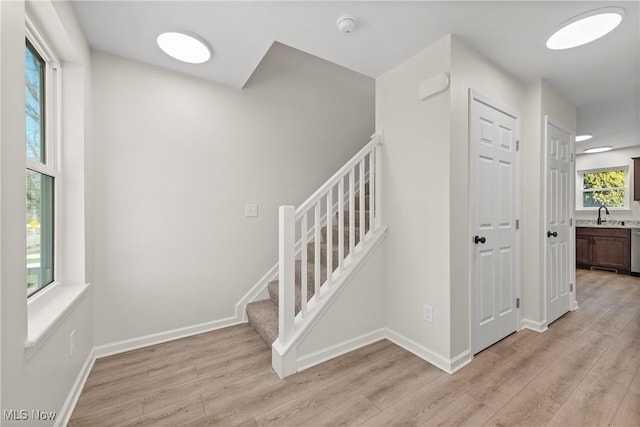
x=263, y=314
x=322, y=244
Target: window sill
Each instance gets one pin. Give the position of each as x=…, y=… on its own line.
x=623, y=210
x=46, y=311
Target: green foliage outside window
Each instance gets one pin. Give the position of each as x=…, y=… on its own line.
x=604, y=188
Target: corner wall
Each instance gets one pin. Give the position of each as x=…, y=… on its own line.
x=45, y=379
x=176, y=159
x=416, y=201
x=541, y=100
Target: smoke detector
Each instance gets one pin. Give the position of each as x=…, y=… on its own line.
x=346, y=24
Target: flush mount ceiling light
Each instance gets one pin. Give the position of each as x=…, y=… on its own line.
x=598, y=149
x=585, y=28
x=585, y=137
x=184, y=48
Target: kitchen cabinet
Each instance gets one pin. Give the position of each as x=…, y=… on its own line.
x=604, y=248
x=636, y=178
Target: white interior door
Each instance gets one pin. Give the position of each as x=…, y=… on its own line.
x=558, y=213
x=493, y=139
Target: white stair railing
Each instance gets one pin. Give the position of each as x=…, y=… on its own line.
x=331, y=206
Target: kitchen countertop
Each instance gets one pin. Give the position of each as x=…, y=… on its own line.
x=614, y=223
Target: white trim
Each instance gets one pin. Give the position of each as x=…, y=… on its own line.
x=162, y=337
x=580, y=191
x=258, y=291
x=328, y=353
x=430, y=356
x=545, y=212
x=72, y=399
x=475, y=95
x=534, y=326
x=450, y=366
x=338, y=285
x=46, y=311
x=52, y=137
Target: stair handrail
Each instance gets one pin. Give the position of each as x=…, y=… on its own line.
x=288, y=322
x=376, y=139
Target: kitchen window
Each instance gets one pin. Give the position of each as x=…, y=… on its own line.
x=41, y=171
x=607, y=186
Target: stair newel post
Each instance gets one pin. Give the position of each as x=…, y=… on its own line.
x=286, y=273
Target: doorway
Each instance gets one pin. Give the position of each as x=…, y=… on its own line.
x=559, y=207
x=493, y=203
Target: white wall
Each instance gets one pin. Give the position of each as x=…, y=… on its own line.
x=541, y=100
x=620, y=157
x=45, y=380
x=354, y=319
x=416, y=193
x=176, y=159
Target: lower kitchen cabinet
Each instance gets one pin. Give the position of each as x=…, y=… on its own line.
x=605, y=248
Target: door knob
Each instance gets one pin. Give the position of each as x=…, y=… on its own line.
x=479, y=239
x=554, y=234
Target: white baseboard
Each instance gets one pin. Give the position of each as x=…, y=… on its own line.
x=437, y=360
x=162, y=337
x=533, y=325
x=460, y=361
x=69, y=405
x=313, y=359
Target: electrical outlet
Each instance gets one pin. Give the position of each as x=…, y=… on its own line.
x=250, y=209
x=72, y=343
x=428, y=313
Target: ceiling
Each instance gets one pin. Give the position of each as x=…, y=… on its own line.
x=601, y=78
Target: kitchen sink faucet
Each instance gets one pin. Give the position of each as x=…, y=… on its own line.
x=600, y=219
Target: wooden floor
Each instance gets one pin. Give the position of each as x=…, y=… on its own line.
x=584, y=371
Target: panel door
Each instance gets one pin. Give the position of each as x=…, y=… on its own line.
x=494, y=257
x=558, y=213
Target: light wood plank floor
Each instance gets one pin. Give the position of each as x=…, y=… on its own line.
x=584, y=371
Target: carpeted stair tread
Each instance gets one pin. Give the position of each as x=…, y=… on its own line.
x=274, y=286
x=323, y=253
x=336, y=232
x=263, y=317
x=356, y=219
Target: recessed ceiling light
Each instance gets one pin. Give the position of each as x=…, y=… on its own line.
x=585, y=28
x=184, y=48
x=584, y=137
x=598, y=149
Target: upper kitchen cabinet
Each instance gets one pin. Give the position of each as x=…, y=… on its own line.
x=636, y=178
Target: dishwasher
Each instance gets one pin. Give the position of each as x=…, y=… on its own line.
x=635, y=251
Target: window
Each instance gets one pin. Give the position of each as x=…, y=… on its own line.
x=40, y=169
x=606, y=187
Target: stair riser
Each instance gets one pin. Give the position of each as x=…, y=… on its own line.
x=263, y=317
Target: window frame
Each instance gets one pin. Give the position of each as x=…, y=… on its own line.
x=580, y=188
x=52, y=150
